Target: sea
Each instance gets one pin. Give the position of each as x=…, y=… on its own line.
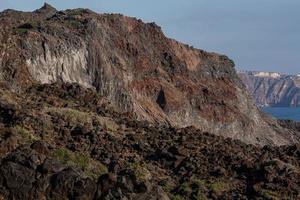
x=284, y=112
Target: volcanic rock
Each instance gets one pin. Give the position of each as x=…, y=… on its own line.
x=136, y=67
x=122, y=158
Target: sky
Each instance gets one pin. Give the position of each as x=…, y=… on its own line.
x=262, y=35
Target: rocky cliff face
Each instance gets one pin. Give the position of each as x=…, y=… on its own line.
x=272, y=89
x=136, y=67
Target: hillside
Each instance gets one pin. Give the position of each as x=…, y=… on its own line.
x=104, y=106
x=62, y=141
x=273, y=89
x=136, y=68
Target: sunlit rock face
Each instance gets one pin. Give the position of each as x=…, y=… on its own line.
x=272, y=89
x=70, y=66
x=136, y=67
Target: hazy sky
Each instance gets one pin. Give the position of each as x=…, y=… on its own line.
x=256, y=34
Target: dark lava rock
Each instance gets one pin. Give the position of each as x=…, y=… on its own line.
x=69, y=150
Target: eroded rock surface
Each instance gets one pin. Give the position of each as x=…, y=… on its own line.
x=132, y=64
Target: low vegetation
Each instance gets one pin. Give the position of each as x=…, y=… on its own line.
x=140, y=170
x=90, y=167
x=219, y=187
x=72, y=116
x=20, y=30
x=270, y=195
x=24, y=135
x=132, y=158
x=76, y=118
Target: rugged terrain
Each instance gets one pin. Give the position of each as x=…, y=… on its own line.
x=272, y=89
x=99, y=106
x=136, y=67
x=62, y=141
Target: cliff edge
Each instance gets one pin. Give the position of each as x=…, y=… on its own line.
x=136, y=68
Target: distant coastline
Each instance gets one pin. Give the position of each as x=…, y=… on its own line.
x=272, y=89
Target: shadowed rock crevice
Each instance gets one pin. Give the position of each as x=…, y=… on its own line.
x=161, y=99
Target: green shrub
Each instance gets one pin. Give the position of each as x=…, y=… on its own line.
x=76, y=117
x=72, y=116
x=140, y=171
x=47, y=126
x=186, y=188
x=79, y=118
x=23, y=28
x=20, y=30
x=219, y=187
x=270, y=195
x=176, y=197
x=201, y=196
x=75, y=23
x=24, y=135
x=90, y=167
x=107, y=124
x=167, y=188
x=199, y=182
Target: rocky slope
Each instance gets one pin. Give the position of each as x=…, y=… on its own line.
x=272, y=89
x=136, y=67
x=62, y=141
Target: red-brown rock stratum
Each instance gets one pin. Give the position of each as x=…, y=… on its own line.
x=136, y=68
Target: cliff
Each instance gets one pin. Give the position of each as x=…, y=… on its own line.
x=272, y=89
x=136, y=68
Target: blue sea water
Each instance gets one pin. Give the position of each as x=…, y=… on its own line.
x=284, y=112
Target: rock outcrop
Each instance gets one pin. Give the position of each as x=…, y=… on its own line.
x=136, y=67
x=272, y=89
x=62, y=141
